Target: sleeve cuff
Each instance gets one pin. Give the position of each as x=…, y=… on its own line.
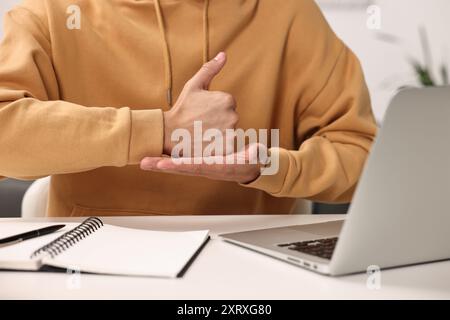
x=272, y=178
x=147, y=135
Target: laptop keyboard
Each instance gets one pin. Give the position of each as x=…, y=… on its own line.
x=322, y=248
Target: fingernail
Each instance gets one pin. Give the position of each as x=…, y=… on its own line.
x=220, y=56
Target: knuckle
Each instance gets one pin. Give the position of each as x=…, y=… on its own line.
x=234, y=118
x=229, y=100
x=232, y=121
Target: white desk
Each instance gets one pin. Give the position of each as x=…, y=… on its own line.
x=225, y=271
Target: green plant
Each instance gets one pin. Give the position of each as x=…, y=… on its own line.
x=423, y=71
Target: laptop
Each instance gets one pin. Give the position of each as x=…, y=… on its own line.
x=400, y=213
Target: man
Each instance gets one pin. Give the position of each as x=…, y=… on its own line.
x=86, y=91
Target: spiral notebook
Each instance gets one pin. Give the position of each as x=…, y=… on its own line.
x=95, y=247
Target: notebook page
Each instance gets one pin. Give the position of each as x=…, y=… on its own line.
x=117, y=250
x=17, y=256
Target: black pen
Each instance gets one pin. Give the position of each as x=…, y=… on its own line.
x=29, y=235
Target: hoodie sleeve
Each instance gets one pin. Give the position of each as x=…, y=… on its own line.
x=334, y=129
x=42, y=135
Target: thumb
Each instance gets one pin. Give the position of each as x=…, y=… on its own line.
x=209, y=70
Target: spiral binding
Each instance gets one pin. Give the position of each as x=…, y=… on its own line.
x=70, y=238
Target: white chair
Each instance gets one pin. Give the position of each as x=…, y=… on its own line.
x=303, y=207
x=35, y=200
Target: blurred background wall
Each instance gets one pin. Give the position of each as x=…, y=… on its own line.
x=383, y=53
x=385, y=64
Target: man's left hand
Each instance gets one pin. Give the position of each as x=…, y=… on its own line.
x=241, y=167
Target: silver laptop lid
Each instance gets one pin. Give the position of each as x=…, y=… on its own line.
x=401, y=210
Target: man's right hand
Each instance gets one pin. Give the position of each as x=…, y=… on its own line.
x=215, y=109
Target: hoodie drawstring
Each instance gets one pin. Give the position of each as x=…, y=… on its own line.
x=168, y=74
x=205, y=32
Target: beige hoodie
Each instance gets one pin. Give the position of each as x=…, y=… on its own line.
x=83, y=88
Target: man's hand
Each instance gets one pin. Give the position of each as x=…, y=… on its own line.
x=216, y=110
x=241, y=167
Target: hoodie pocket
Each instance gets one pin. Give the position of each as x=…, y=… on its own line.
x=81, y=211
